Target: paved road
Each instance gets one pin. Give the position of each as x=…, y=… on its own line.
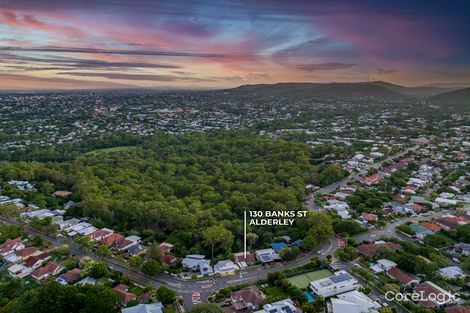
x=187, y=288
x=330, y=188
x=389, y=229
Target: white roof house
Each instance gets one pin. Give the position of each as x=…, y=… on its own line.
x=354, y=302
x=144, y=308
x=452, y=272
x=445, y=202
x=340, y=283
x=19, y=271
x=133, y=238
x=225, y=267
x=283, y=306
x=87, y=230
x=197, y=262
x=40, y=214
x=13, y=258
x=86, y=281
x=267, y=255
x=386, y=264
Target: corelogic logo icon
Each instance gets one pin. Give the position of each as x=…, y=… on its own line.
x=421, y=296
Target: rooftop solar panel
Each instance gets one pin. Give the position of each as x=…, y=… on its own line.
x=340, y=278
x=287, y=309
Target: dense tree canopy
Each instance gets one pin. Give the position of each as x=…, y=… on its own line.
x=177, y=186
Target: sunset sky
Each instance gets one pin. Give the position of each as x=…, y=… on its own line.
x=61, y=44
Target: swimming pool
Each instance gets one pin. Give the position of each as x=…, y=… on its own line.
x=310, y=298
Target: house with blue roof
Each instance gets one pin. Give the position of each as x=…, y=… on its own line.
x=278, y=246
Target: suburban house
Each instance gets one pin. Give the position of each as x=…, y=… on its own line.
x=268, y=256
x=48, y=270
x=247, y=299
x=123, y=294
x=19, y=271
x=64, y=224
x=457, y=309
x=451, y=272
x=136, y=249
x=438, y=295
x=62, y=194
x=156, y=307
x=124, y=244
x=341, y=282
x=112, y=239
x=225, y=267
x=371, y=180
x=134, y=238
x=12, y=258
x=165, y=247
x=401, y=276
x=283, y=306
x=354, y=302
x=198, y=263
x=69, y=277
x=382, y=265
x=36, y=261
x=244, y=261
x=100, y=234
x=462, y=248
x=278, y=246
x=86, y=281
x=170, y=259
x=369, y=217
x=27, y=252
x=10, y=246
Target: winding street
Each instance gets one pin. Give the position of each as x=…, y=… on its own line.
x=183, y=287
x=205, y=287
x=332, y=187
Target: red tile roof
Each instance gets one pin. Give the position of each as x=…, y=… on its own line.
x=369, y=217
x=426, y=289
x=123, y=294
x=111, y=240
x=400, y=276
x=247, y=298
x=430, y=226
x=250, y=258
x=169, y=259
x=458, y=309
x=46, y=269
x=32, y=260
x=26, y=251
x=72, y=275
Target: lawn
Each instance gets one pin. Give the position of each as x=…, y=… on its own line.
x=302, y=281
x=170, y=309
x=112, y=149
x=135, y=290
x=275, y=292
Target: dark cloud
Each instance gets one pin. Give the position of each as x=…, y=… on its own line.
x=71, y=63
x=324, y=66
x=116, y=52
x=148, y=77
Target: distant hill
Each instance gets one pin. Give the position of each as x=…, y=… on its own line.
x=382, y=90
x=419, y=92
x=461, y=96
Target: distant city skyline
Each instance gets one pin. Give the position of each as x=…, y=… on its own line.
x=68, y=44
